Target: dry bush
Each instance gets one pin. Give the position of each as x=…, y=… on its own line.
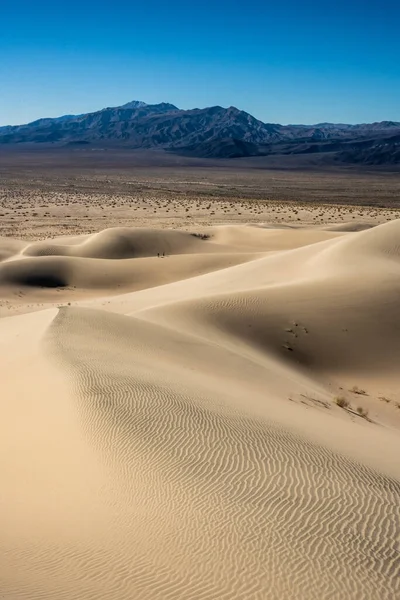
x=202, y=236
x=384, y=399
x=362, y=412
x=356, y=390
x=341, y=402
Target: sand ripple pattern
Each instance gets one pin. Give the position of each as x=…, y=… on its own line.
x=210, y=503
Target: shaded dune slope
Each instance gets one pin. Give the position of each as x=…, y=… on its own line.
x=332, y=306
x=334, y=334
x=103, y=274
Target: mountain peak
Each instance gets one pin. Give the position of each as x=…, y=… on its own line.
x=134, y=104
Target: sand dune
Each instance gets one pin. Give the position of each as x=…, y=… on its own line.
x=182, y=440
x=119, y=242
x=267, y=239
x=9, y=247
x=61, y=272
x=349, y=227
x=122, y=259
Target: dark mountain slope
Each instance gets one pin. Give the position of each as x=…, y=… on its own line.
x=381, y=151
x=221, y=148
x=147, y=126
x=212, y=132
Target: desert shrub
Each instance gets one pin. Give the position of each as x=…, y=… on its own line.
x=202, y=236
x=356, y=390
x=341, y=402
x=362, y=412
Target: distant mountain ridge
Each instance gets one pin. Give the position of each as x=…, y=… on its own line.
x=211, y=132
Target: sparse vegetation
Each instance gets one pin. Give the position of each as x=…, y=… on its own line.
x=287, y=347
x=362, y=412
x=341, y=402
x=356, y=390
x=202, y=236
x=384, y=399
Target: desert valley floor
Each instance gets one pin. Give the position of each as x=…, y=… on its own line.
x=199, y=408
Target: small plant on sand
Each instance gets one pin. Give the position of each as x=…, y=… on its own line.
x=202, y=236
x=341, y=402
x=362, y=412
x=356, y=390
x=384, y=399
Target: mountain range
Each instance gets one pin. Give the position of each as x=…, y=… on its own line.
x=213, y=132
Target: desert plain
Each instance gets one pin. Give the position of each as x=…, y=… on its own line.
x=200, y=385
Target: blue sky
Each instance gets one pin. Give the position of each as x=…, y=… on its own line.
x=290, y=61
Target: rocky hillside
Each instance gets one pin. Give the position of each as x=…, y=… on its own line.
x=211, y=132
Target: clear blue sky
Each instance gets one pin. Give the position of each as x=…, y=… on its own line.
x=287, y=61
